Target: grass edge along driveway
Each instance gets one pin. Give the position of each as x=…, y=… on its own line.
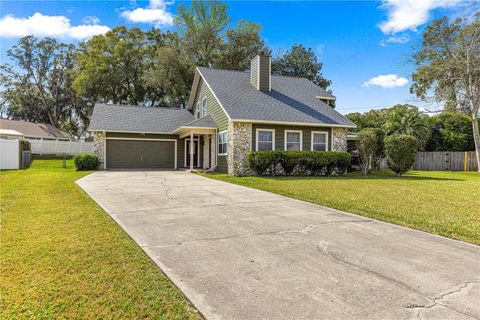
x=63, y=257
x=443, y=203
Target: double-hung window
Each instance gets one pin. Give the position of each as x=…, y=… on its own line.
x=319, y=141
x=222, y=143
x=265, y=139
x=201, y=110
x=204, y=107
x=293, y=140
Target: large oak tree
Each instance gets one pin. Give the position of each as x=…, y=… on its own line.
x=37, y=86
x=448, y=65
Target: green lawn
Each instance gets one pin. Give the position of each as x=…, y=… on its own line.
x=445, y=203
x=63, y=257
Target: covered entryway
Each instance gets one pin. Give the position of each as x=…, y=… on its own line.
x=196, y=152
x=140, y=154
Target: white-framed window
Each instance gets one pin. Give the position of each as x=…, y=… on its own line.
x=222, y=142
x=293, y=140
x=198, y=110
x=319, y=141
x=204, y=107
x=201, y=108
x=265, y=139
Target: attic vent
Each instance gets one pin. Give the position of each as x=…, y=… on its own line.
x=260, y=72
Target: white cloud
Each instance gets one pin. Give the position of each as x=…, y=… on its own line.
x=409, y=14
x=401, y=39
x=386, y=81
x=91, y=20
x=156, y=12
x=47, y=26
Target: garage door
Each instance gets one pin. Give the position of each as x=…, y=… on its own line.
x=140, y=154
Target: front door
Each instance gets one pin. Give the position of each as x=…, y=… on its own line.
x=195, y=153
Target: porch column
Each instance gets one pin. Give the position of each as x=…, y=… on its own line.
x=206, y=151
x=213, y=143
x=192, y=146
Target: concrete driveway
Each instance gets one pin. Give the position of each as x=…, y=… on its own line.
x=239, y=253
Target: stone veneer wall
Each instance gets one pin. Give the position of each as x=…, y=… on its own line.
x=99, y=141
x=339, y=139
x=239, y=144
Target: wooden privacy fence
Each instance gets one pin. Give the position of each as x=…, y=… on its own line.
x=446, y=161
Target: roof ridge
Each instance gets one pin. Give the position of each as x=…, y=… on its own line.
x=140, y=107
x=224, y=69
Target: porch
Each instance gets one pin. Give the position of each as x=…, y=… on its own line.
x=199, y=146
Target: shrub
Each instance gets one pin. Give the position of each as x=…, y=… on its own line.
x=298, y=162
x=401, y=150
x=371, y=148
x=86, y=161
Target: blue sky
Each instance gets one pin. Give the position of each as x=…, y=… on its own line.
x=363, y=45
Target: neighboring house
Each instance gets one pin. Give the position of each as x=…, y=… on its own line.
x=31, y=130
x=10, y=134
x=44, y=139
x=229, y=114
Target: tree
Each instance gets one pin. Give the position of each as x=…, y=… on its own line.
x=406, y=119
x=39, y=87
x=202, y=26
x=401, y=150
x=173, y=72
x=370, y=148
x=450, y=132
x=448, y=64
x=371, y=119
x=242, y=44
x=300, y=62
x=111, y=67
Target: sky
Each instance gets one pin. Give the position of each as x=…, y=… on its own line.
x=364, y=45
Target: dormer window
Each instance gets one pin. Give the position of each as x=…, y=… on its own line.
x=328, y=100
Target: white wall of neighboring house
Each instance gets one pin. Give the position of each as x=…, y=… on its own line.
x=9, y=154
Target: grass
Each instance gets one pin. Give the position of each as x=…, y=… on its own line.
x=63, y=257
x=444, y=203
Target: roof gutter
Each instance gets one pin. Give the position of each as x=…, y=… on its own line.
x=302, y=124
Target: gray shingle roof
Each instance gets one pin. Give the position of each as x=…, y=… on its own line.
x=137, y=119
x=205, y=122
x=34, y=130
x=290, y=100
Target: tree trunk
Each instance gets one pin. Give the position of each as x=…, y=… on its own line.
x=476, y=138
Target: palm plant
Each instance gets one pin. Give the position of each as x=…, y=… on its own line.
x=405, y=119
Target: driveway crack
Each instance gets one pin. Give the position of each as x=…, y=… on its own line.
x=437, y=301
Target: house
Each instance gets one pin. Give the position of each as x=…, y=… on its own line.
x=31, y=130
x=229, y=113
x=10, y=134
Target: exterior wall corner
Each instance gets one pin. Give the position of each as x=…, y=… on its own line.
x=239, y=144
x=339, y=139
x=99, y=146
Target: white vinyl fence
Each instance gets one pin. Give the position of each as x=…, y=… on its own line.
x=60, y=147
x=9, y=154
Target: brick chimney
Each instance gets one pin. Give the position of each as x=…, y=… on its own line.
x=261, y=71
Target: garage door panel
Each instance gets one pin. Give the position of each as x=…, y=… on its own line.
x=140, y=154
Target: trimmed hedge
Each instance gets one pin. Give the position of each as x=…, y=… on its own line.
x=299, y=163
x=86, y=161
x=401, y=150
